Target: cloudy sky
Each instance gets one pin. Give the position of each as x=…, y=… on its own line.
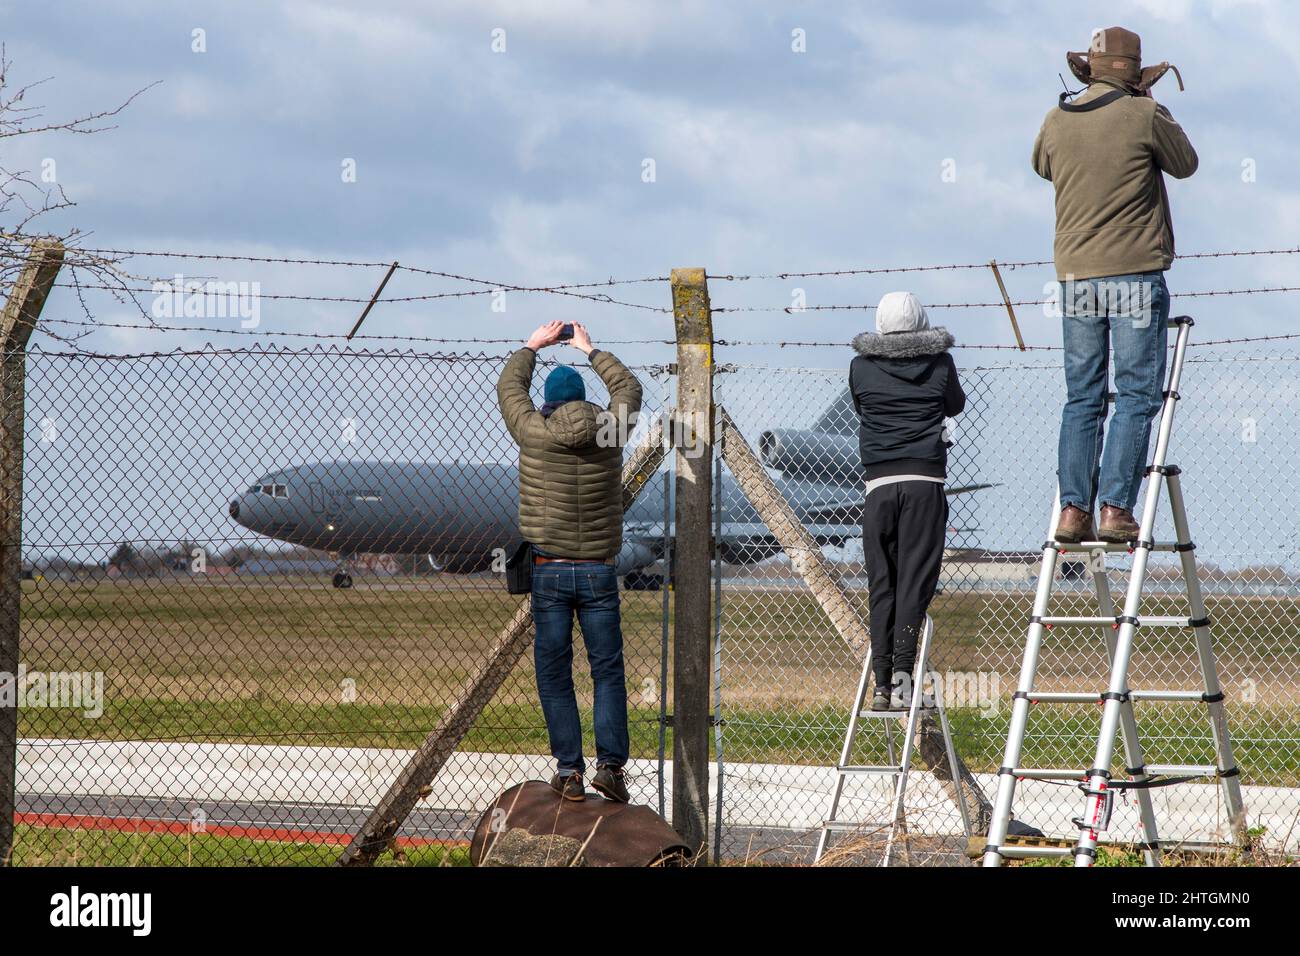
x=527, y=166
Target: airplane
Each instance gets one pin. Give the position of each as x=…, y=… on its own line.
x=463, y=516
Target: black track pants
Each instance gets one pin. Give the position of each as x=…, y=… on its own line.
x=903, y=527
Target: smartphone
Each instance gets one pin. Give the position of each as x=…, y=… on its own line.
x=566, y=332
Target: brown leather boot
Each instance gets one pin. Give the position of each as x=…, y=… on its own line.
x=1074, y=525
x=1118, y=525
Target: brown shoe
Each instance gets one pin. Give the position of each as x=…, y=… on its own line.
x=569, y=786
x=1074, y=525
x=1117, y=525
x=611, y=783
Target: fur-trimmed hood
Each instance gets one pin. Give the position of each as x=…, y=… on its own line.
x=903, y=345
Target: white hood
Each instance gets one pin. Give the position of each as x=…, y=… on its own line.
x=900, y=312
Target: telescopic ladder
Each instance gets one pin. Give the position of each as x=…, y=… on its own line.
x=1117, y=700
x=921, y=703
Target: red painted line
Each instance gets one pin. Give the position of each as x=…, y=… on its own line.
x=77, y=821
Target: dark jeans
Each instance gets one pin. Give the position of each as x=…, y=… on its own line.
x=1128, y=314
x=591, y=589
x=903, y=529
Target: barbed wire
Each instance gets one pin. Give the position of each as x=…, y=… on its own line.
x=601, y=298
x=354, y=263
x=831, y=273
x=209, y=350
x=1004, y=347
x=795, y=310
x=1241, y=341
x=284, y=333
x=735, y=343
x=296, y=297
x=869, y=270
x=491, y=287
x=468, y=340
x=558, y=289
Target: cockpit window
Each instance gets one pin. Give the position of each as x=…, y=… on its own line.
x=271, y=491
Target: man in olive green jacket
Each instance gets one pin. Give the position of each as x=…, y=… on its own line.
x=1106, y=154
x=571, y=511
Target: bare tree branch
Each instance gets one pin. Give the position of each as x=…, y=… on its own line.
x=26, y=199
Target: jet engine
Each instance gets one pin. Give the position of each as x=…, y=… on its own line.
x=633, y=556
x=808, y=455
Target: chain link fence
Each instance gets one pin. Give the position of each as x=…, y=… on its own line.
x=202, y=679
x=204, y=682
x=787, y=678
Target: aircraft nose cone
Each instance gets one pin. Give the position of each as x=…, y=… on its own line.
x=234, y=510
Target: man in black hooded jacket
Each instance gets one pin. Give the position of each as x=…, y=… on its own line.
x=904, y=383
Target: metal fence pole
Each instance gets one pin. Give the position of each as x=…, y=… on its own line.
x=717, y=655
x=665, y=584
x=26, y=300
x=693, y=436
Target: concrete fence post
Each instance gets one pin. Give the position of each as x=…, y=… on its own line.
x=23, y=308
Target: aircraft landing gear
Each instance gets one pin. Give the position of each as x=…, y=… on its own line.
x=343, y=572
x=640, y=581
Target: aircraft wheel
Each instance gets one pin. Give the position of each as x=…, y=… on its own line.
x=640, y=581
x=342, y=580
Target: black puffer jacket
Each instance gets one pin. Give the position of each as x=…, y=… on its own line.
x=904, y=384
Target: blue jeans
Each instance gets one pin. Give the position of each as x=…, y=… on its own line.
x=1132, y=311
x=591, y=589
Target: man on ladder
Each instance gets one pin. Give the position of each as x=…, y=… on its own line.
x=1105, y=153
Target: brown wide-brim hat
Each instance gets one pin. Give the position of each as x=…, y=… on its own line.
x=1116, y=54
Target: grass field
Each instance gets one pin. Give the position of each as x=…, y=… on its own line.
x=43, y=846
x=293, y=661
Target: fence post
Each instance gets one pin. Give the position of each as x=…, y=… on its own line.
x=693, y=437
x=22, y=309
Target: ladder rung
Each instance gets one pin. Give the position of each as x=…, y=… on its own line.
x=851, y=825
x=1110, y=546
x=1064, y=698
x=1047, y=773
x=870, y=770
x=1144, y=621
x=895, y=714
x=1087, y=697
x=1026, y=852
x=1181, y=770
x=1194, y=695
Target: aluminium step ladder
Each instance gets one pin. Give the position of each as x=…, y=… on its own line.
x=1117, y=700
x=920, y=703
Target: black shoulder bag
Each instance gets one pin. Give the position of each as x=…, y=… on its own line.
x=519, y=569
